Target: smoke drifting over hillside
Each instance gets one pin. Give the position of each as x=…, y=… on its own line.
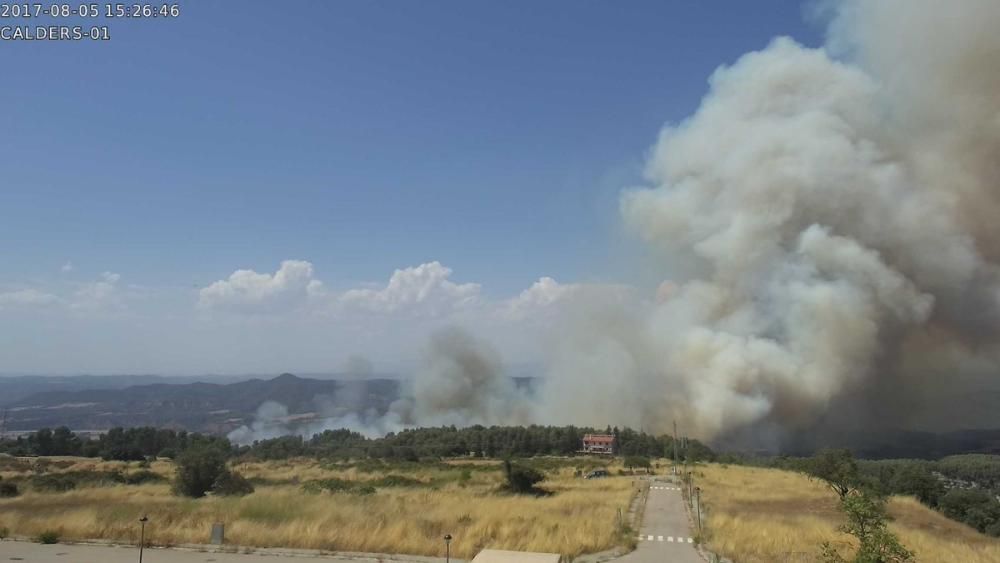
x=828, y=219
x=830, y=227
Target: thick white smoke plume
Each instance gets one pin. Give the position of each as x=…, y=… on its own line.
x=828, y=224
x=829, y=227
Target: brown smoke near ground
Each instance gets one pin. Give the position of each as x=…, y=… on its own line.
x=830, y=223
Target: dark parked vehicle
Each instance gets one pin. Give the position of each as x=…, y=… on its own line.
x=596, y=474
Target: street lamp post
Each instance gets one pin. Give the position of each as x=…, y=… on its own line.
x=697, y=496
x=142, y=534
x=447, y=548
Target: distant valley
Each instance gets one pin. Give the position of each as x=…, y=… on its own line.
x=102, y=402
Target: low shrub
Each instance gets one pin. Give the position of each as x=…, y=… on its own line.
x=331, y=485
x=61, y=482
x=48, y=537
x=53, y=483
x=8, y=490
x=231, y=484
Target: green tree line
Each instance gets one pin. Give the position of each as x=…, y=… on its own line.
x=481, y=441
x=412, y=444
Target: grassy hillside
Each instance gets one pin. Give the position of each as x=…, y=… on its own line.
x=402, y=516
x=757, y=515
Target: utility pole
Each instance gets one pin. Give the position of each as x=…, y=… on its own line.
x=675, y=445
x=697, y=497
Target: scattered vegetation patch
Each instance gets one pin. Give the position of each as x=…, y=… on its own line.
x=393, y=480
x=53, y=483
x=8, y=490
x=48, y=537
x=231, y=484
x=69, y=480
x=335, y=485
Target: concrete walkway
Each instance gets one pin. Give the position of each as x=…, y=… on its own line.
x=85, y=553
x=666, y=535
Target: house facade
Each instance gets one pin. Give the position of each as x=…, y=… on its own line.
x=599, y=444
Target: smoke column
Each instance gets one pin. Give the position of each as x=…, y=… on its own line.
x=829, y=223
x=828, y=226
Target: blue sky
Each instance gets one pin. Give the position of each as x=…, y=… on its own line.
x=362, y=137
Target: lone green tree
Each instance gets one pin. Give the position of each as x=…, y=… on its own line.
x=231, y=484
x=634, y=461
x=521, y=479
x=867, y=521
x=198, y=469
x=836, y=468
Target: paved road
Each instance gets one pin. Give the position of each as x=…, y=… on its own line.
x=36, y=553
x=666, y=536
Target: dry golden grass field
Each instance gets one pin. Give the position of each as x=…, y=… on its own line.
x=769, y=516
x=458, y=498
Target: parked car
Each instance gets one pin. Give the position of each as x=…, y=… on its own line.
x=596, y=474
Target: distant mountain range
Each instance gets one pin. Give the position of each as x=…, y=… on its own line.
x=219, y=404
x=13, y=388
x=101, y=402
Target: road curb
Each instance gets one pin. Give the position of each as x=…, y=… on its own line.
x=261, y=551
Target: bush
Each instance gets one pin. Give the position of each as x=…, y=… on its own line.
x=197, y=470
x=48, y=537
x=53, y=483
x=335, y=485
x=521, y=480
x=867, y=521
x=231, y=484
x=8, y=490
x=62, y=482
x=332, y=485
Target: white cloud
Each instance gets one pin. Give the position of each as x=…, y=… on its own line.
x=542, y=294
x=66, y=268
x=101, y=294
x=547, y=298
x=291, y=285
x=27, y=298
x=426, y=287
